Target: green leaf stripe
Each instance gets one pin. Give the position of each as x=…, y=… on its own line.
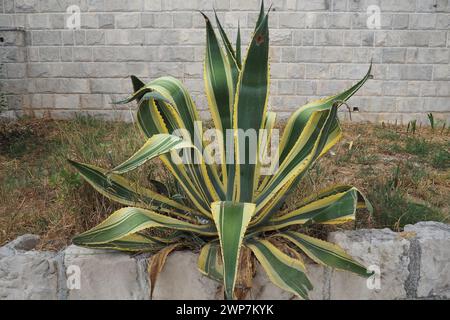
x=231, y=221
x=325, y=253
x=124, y=191
x=333, y=209
x=210, y=261
x=155, y=146
x=250, y=108
x=284, y=271
x=130, y=220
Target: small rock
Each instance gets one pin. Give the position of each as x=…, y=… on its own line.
x=434, y=254
x=26, y=242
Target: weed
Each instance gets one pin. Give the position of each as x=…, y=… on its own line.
x=366, y=159
x=441, y=159
x=392, y=206
x=388, y=135
x=3, y=100
x=411, y=126
x=392, y=148
x=431, y=120
x=418, y=146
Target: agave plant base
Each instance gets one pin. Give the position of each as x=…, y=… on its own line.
x=231, y=212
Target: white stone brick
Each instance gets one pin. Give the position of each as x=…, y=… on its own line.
x=106, y=21
x=152, y=5
x=305, y=87
x=120, y=5
x=50, y=54
x=292, y=20
x=437, y=104
x=109, y=85
x=60, y=5
x=441, y=72
x=50, y=37
x=394, y=55
x=252, y=5
x=330, y=54
x=400, y=21
x=437, y=39
x=443, y=21
x=314, y=20
x=339, y=21
x=95, y=37
x=127, y=20
x=313, y=5
x=36, y=21
x=309, y=54
x=89, y=21
x=57, y=21
x=428, y=55
x=58, y=85
x=328, y=38
x=422, y=21
x=182, y=20
x=396, y=88
x=176, y=54
x=104, y=53
x=147, y=20
x=427, y=5
x=15, y=70
x=26, y=6
x=322, y=71
x=82, y=54
x=67, y=101
x=397, y=5
x=352, y=38
x=180, y=5
x=288, y=54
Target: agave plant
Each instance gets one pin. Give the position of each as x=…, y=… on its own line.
x=233, y=214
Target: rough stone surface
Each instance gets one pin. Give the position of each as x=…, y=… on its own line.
x=328, y=39
x=383, y=248
x=25, y=242
x=104, y=275
x=413, y=265
x=30, y=275
x=180, y=279
x=434, y=259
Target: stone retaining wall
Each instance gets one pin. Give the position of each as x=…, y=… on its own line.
x=413, y=264
x=319, y=47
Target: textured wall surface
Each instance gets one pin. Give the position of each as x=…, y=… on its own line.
x=318, y=48
x=409, y=265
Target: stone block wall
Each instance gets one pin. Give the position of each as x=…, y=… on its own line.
x=408, y=265
x=318, y=48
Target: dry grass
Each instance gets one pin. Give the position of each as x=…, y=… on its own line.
x=405, y=176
